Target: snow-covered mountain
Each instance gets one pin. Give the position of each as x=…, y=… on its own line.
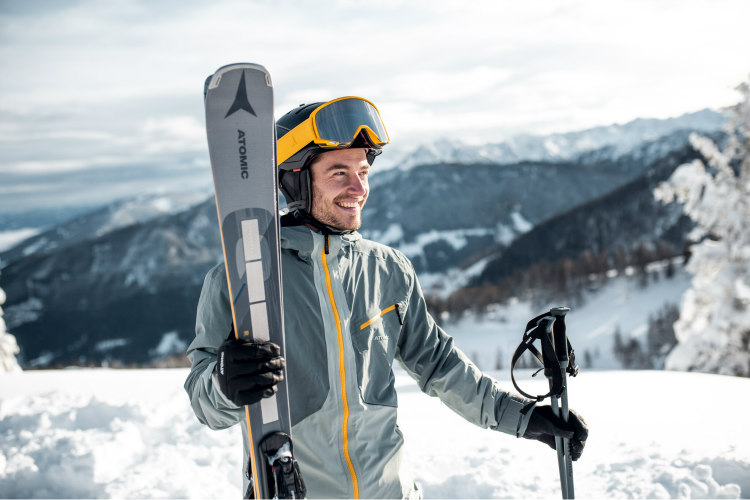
x=616, y=139
x=122, y=283
x=98, y=222
x=456, y=212
x=128, y=294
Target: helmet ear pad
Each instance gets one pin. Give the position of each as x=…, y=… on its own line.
x=297, y=188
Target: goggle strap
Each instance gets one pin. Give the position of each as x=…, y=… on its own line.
x=294, y=140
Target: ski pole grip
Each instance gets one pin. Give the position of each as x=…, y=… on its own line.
x=549, y=358
x=560, y=339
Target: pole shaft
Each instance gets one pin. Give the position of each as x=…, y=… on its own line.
x=566, y=445
x=560, y=447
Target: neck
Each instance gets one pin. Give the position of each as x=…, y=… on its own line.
x=301, y=218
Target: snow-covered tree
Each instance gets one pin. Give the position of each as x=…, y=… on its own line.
x=8, y=344
x=713, y=331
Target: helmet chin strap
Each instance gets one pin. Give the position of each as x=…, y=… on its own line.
x=301, y=217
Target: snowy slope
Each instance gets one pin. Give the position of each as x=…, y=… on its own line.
x=620, y=303
x=131, y=434
x=12, y=237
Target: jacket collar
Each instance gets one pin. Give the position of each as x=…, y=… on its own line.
x=304, y=241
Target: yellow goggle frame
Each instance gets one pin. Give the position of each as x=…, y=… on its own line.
x=320, y=127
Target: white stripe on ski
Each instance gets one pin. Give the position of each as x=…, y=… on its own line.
x=259, y=320
x=256, y=290
x=251, y=239
x=269, y=408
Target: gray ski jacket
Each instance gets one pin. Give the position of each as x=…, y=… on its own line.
x=348, y=315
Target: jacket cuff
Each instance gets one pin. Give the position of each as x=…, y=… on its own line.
x=515, y=416
x=220, y=399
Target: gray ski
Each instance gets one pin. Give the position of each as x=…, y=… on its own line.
x=242, y=148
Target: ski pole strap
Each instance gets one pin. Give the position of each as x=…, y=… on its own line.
x=549, y=329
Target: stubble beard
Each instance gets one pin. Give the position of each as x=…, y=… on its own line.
x=327, y=214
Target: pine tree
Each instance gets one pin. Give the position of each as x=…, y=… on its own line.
x=660, y=338
x=499, y=359
x=618, y=346
x=713, y=331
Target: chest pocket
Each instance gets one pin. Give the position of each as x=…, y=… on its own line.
x=375, y=339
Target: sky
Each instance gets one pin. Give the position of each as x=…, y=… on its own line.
x=100, y=100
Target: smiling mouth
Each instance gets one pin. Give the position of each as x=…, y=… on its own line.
x=348, y=205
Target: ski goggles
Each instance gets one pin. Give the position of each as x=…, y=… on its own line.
x=335, y=124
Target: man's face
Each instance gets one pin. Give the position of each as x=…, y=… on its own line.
x=340, y=188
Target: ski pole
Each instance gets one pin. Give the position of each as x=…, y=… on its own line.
x=560, y=342
x=557, y=359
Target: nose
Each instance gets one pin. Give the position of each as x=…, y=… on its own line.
x=357, y=186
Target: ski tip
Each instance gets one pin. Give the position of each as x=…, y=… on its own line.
x=213, y=80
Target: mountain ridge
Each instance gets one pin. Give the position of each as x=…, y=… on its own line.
x=124, y=291
x=557, y=146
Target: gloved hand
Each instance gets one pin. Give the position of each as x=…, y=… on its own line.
x=249, y=371
x=544, y=426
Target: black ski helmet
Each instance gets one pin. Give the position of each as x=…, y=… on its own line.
x=294, y=172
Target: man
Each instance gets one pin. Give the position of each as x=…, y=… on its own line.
x=351, y=307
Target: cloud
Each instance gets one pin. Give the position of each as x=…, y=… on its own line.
x=90, y=84
x=174, y=134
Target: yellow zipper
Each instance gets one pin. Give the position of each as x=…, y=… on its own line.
x=342, y=375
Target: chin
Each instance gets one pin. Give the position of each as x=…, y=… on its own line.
x=340, y=223
x=350, y=226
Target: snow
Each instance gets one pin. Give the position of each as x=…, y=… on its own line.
x=107, y=433
x=8, y=344
x=170, y=343
x=622, y=139
x=12, y=237
x=455, y=238
x=392, y=235
x=713, y=326
x=521, y=224
x=8, y=351
x=149, y=206
x=442, y=284
x=109, y=344
x=621, y=303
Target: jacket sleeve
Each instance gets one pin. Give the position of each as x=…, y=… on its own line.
x=442, y=370
x=213, y=324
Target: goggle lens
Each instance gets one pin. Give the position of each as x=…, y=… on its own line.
x=339, y=122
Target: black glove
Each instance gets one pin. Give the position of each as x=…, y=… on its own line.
x=249, y=371
x=544, y=426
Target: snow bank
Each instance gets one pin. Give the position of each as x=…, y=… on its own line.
x=646, y=441
x=110, y=434
x=131, y=434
